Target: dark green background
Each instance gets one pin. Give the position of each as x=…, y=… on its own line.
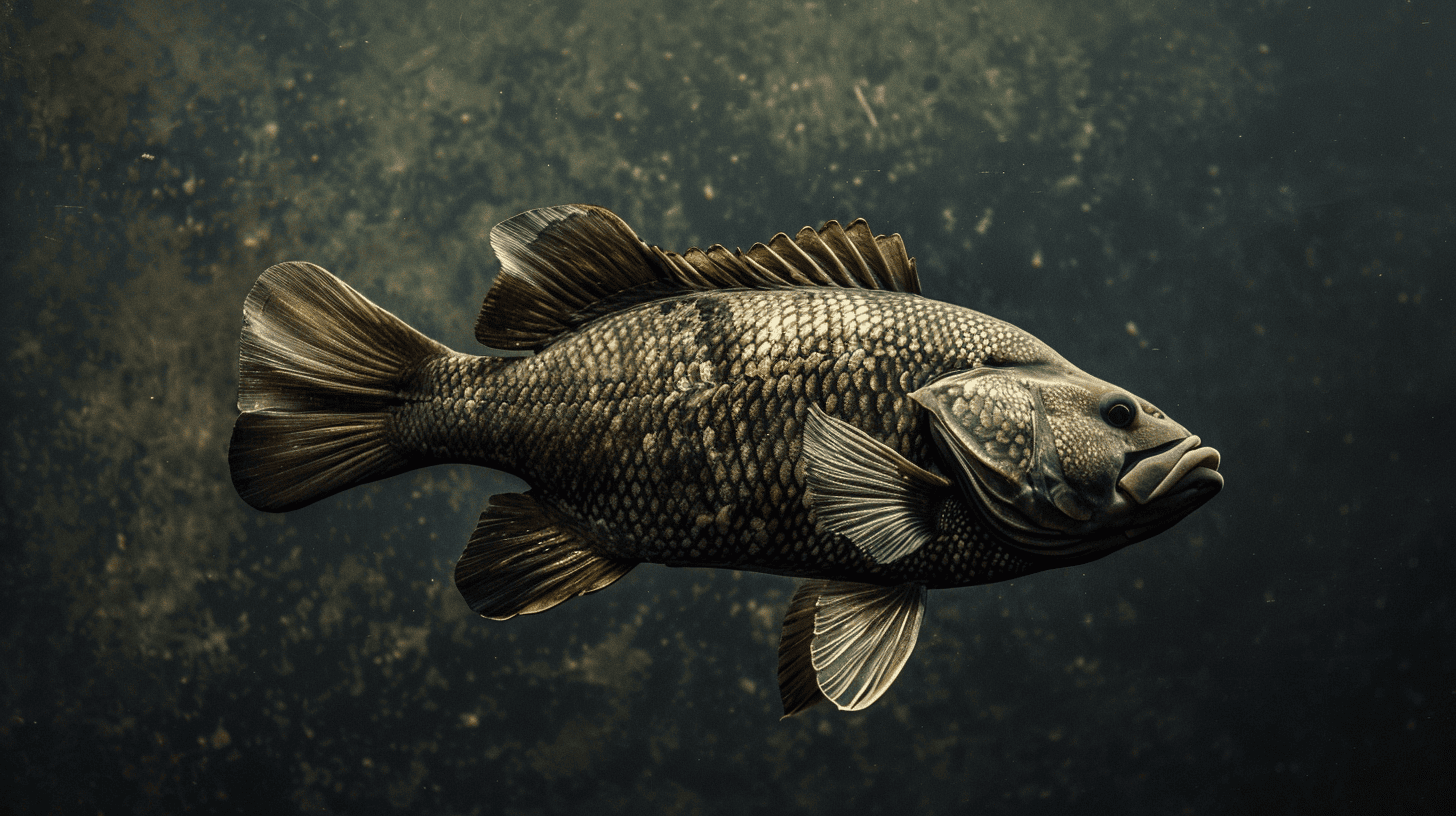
x=1240, y=211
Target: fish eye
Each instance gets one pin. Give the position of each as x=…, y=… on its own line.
x=1118, y=410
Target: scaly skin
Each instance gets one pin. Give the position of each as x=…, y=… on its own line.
x=671, y=432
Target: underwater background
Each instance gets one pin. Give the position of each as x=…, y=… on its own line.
x=1241, y=211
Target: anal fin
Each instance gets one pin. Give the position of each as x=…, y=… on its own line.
x=521, y=560
x=846, y=642
x=797, y=686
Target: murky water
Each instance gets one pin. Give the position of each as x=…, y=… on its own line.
x=1243, y=212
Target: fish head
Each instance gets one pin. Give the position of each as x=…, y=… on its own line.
x=1064, y=464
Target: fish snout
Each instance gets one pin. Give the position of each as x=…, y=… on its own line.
x=1186, y=466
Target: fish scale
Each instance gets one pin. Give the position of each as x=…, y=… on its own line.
x=544, y=418
x=796, y=409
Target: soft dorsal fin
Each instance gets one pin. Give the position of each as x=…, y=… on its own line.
x=562, y=266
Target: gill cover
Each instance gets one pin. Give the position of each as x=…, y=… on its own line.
x=993, y=423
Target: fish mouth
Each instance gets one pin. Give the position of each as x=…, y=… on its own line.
x=1156, y=489
x=1182, y=469
x=1175, y=479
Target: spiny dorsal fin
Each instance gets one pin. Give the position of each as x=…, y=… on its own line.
x=563, y=266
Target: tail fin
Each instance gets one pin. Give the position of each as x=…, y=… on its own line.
x=319, y=366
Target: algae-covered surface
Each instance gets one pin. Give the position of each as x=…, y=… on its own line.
x=1241, y=211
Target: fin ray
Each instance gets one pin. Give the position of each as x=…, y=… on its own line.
x=860, y=638
x=564, y=266
x=863, y=635
x=521, y=560
x=866, y=491
x=797, y=687
x=319, y=365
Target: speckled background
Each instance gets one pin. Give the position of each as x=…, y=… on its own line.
x=1240, y=211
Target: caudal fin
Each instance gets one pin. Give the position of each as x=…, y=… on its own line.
x=319, y=366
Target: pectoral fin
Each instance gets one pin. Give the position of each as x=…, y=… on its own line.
x=521, y=560
x=866, y=491
x=846, y=642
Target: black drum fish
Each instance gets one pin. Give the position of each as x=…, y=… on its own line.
x=797, y=409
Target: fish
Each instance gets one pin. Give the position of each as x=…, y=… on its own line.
x=798, y=409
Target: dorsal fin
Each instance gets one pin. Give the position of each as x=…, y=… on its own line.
x=562, y=266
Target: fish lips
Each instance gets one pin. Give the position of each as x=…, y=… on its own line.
x=1162, y=485
x=1149, y=475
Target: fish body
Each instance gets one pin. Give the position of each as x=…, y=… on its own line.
x=672, y=431
x=798, y=409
